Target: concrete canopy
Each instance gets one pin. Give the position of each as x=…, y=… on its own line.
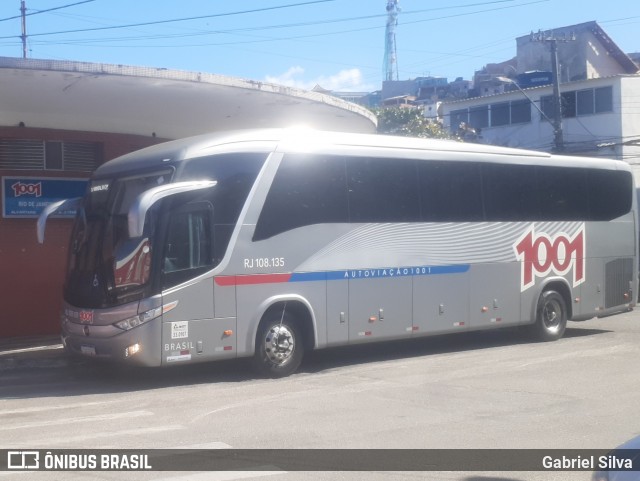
x=159, y=102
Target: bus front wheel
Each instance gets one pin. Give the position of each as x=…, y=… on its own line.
x=279, y=347
x=551, y=316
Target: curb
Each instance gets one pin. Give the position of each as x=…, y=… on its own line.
x=17, y=345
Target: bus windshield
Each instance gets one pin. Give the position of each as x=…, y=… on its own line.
x=175, y=240
x=106, y=267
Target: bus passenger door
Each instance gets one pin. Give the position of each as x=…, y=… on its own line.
x=380, y=305
x=190, y=330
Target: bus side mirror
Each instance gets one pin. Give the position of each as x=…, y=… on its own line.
x=51, y=209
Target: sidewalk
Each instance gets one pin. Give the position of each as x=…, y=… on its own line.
x=37, y=352
x=17, y=345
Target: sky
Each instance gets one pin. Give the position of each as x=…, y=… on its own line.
x=337, y=44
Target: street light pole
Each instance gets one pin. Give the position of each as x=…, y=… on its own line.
x=513, y=82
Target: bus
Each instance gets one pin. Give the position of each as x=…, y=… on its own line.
x=271, y=243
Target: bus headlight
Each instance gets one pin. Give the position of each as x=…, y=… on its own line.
x=135, y=321
x=138, y=320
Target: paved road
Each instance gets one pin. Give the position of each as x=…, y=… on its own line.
x=482, y=390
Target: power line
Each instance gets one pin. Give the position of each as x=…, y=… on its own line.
x=291, y=25
x=199, y=17
x=275, y=39
x=47, y=10
x=132, y=38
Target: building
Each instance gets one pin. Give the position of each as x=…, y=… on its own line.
x=59, y=120
x=585, y=51
x=365, y=99
x=426, y=89
x=599, y=86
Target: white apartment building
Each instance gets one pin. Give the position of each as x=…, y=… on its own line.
x=600, y=92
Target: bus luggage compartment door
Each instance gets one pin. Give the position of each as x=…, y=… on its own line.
x=380, y=308
x=494, y=298
x=440, y=303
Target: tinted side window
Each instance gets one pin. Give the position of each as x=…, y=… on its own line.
x=334, y=190
x=450, y=191
x=235, y=173
x=188, y=249
x=610, y=193
x=563, y=193
x=306, y=190
x=510, y=192
x=383, y=190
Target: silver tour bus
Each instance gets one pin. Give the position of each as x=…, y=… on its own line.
x=270, y=243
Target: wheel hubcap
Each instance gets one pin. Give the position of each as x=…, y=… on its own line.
x=279, y=344
x=551, y=315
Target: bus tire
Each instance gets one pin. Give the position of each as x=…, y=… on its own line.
x=279, y=346
x=551, y=317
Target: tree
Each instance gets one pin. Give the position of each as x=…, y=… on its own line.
x=409, y=122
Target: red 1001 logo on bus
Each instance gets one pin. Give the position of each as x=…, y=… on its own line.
x=541, y=254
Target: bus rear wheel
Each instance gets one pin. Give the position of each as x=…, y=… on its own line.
x=551, y=316
x=279, y=347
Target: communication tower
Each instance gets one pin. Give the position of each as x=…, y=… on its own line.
x=390, y=55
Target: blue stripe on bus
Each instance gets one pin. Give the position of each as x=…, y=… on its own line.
x=375, y=273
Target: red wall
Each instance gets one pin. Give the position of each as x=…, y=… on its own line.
x=31, y=274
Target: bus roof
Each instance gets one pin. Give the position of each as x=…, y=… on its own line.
x=308, y=140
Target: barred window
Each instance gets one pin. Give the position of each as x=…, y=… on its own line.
x=31, y=154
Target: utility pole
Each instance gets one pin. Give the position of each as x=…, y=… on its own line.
x=558, y=136
x=23, y=11
x=557, y=99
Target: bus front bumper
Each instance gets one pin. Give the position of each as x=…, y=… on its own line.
x=138, y=346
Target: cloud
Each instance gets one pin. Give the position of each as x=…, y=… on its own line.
x=348, y=80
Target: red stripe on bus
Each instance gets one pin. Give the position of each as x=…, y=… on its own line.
x=251, y=279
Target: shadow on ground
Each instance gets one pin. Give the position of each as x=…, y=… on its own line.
x=51, y=372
